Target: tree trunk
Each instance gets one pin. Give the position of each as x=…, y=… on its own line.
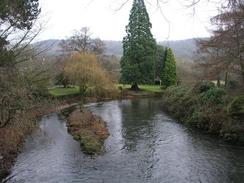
x=242, y=71
x=226, y=78
x=135, y=87
x=218, y=82
x=83, y=91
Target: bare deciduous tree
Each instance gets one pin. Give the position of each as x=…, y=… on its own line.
x=82, y=42
x=225, y=48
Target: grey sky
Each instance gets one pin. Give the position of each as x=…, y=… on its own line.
x=108, y=23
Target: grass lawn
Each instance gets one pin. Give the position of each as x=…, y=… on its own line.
x=58, y=92
x=149, y=88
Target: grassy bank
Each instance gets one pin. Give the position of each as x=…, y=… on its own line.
x=59, y=92
x=147, y=88
x=207, y=107
x=62, y=92
x=146, y=91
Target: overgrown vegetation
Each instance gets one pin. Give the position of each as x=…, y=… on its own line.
x=23, y=81
x=88, y=129
x=207, y=107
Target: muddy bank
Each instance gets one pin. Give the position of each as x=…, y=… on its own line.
x=90, y=130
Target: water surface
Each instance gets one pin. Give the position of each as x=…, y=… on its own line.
x=145, y=145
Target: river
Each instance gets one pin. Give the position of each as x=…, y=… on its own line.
x=145, y=146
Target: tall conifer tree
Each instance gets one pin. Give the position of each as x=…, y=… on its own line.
x=169, y=76
x=139, y=48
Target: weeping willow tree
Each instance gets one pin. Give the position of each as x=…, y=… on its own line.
x=83, y=70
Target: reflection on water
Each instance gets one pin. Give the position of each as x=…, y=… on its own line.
x=145, y=145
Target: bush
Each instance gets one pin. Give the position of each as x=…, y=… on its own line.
x=236, y=107
x=204, y=106
x=232, y=85
x=213, y=96
x=203, y=86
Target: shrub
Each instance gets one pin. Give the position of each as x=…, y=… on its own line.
x=236, y=107
x=203, y=86
x=213, y=96
x=204, y=106
x=232, y=85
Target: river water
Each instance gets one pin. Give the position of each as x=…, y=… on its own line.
x=145, y=145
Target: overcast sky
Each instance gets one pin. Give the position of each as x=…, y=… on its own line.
x=104, y=19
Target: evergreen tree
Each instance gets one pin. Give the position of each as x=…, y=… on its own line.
x=139, y=48
x=160, y=59
x=169, y=71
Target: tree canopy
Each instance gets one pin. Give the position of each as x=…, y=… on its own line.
x=19, y=13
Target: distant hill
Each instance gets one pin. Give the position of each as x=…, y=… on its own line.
x=49, y=47
x=183, y=49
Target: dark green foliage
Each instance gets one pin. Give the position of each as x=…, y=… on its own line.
x=169, y=77
x=159, y=63
x=37, y=83
x=236, y=107
x=205, y=106
x=213, y=96
x=60, y=79
x=203, y=86
x=19, y=14
x=14, y=16
x=232, y=85
x=139, y=47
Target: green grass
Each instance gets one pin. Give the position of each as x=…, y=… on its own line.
x=148, y=88
x=59, y=92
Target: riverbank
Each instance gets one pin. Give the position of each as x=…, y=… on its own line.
x=12, y=137
x=207, y=107
x=89, y=130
